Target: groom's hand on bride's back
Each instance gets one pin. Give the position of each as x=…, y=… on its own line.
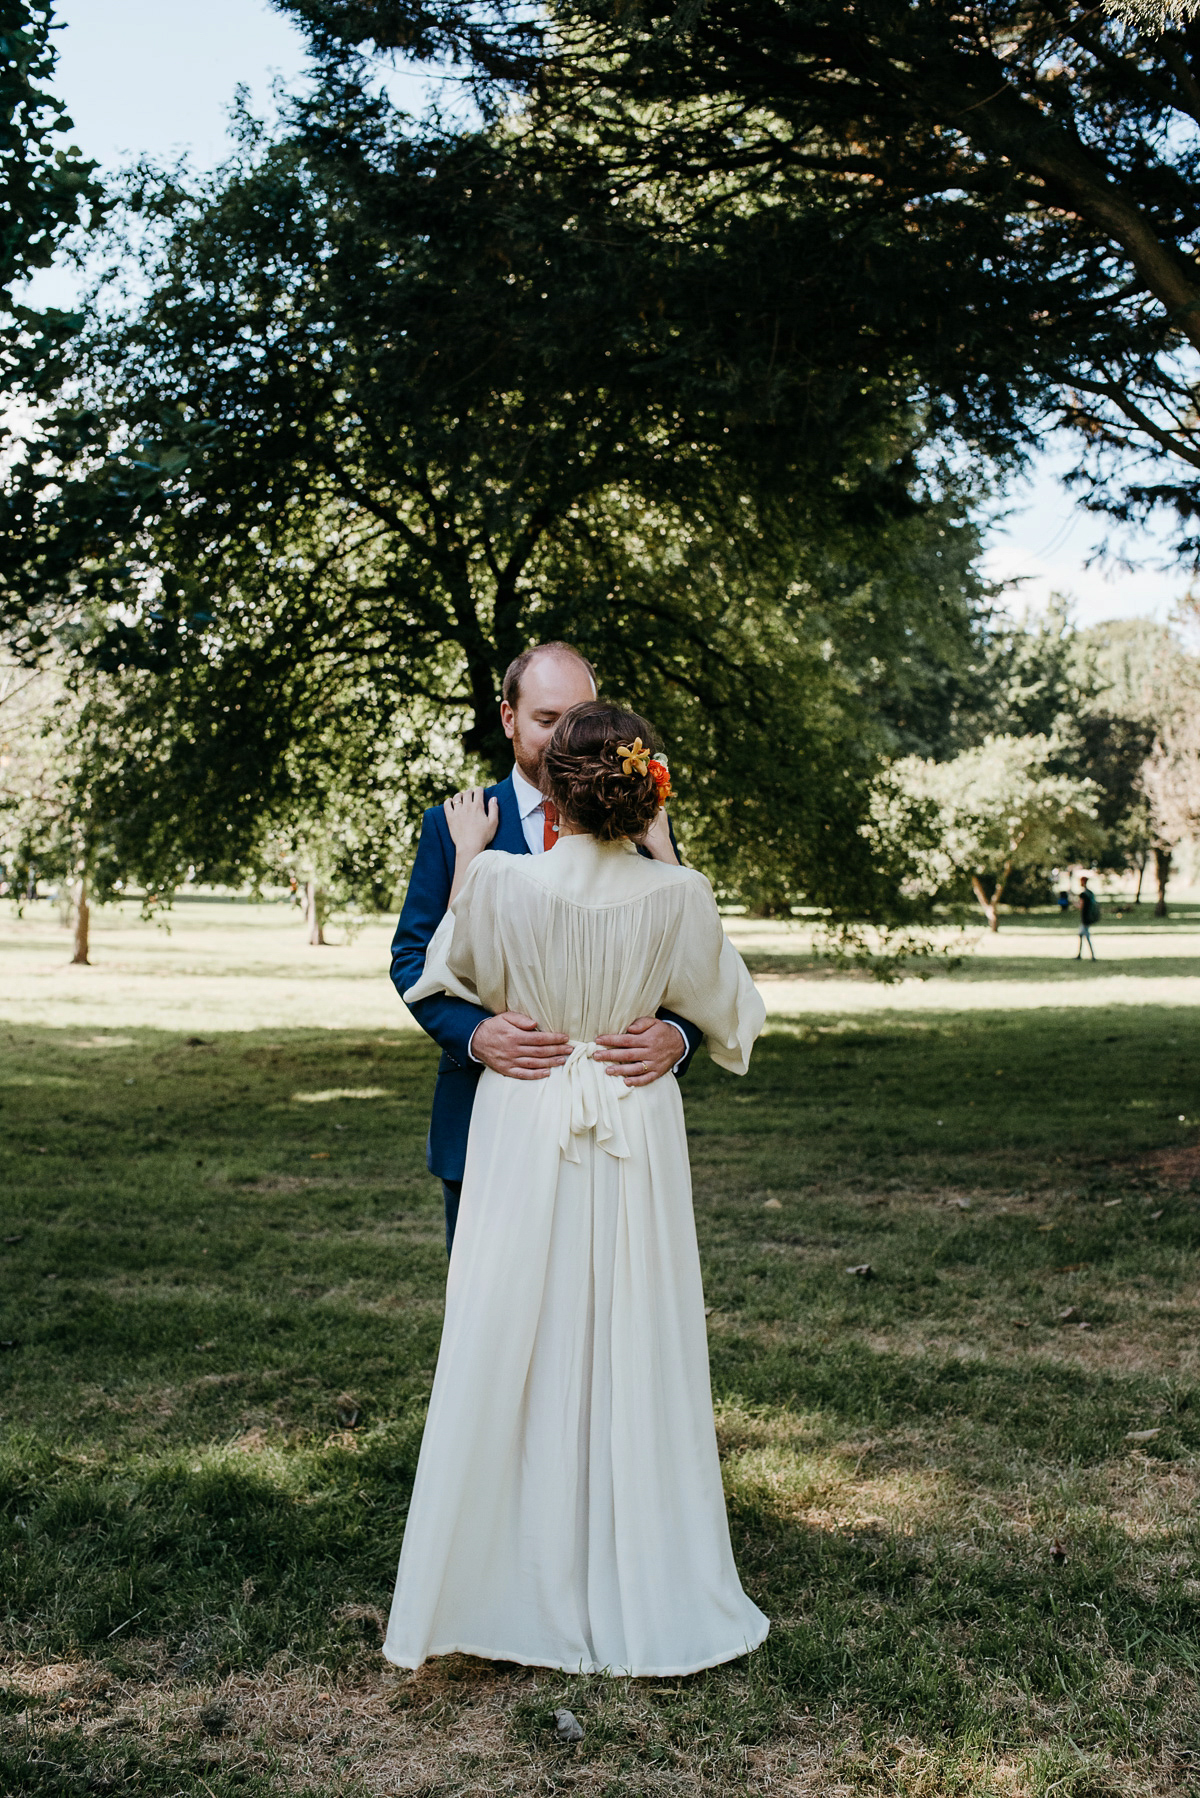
x=512, y=1044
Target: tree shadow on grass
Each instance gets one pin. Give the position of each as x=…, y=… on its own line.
x=1048, y=1410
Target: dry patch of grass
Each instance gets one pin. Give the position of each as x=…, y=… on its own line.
x=462, y=1728
x=1176, y=1167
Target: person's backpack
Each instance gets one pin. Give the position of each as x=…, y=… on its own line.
x=1091, y=907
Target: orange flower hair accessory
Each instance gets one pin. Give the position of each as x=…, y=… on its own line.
x=635, y=757
x=660, y=774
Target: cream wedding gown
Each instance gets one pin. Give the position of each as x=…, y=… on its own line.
x=568, y=1509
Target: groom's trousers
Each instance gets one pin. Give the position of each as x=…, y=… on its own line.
x=451, y=1194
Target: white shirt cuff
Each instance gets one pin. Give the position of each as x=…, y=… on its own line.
x=471, y=1055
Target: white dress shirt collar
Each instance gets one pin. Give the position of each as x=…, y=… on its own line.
x=529, y=799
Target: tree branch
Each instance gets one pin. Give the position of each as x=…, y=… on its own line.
x=1175, y=446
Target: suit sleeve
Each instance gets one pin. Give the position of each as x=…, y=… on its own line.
x=691, y=1036
x=449, y=1021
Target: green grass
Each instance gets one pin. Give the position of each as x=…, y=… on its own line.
x=982, y=1575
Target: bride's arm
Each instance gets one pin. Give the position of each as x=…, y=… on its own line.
x=709, y=983
x=471, y=820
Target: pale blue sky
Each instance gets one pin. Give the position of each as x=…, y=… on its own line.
x=158, y=76
x=1047, y=542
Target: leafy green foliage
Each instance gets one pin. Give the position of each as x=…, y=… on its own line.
x=1016, y=187
x=1108, y=699
x=1055, y=145
x=45, y=191
x=1002, y=807
x=1145, y=722
x=40, y=184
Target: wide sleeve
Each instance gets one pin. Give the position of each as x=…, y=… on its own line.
x=464, y=957
x=710, y=983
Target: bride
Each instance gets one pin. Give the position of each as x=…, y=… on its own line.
x=568, y=1509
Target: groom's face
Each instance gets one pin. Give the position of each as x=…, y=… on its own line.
x=552, y=684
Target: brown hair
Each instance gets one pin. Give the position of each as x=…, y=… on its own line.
x=511, y=688
x=585, y=776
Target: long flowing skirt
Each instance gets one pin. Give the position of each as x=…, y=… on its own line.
x=568, y=1509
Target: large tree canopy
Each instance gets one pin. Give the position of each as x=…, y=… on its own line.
x=1017, y=185
x=392, y=406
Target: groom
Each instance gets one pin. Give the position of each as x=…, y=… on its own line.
x=538, y=688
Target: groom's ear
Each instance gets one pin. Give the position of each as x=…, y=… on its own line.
x=508, y=718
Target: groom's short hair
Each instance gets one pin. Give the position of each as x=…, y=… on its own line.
x=514, y=674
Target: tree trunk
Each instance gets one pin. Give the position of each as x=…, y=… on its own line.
x=83, y=919
x=313, y=914
x=1137, y=897
x=988, y=905
x=1162, y=873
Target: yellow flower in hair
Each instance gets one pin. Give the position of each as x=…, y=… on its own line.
x=633, y=756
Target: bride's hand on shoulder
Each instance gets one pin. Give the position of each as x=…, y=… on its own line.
x=471, y=820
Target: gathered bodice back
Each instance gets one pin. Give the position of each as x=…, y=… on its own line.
x=589, y=937
x=584, y=962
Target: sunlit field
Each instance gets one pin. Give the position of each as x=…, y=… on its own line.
x=222, y=964
x=950, y=1235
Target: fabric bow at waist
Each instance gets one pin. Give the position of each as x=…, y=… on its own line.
x=590, y=1102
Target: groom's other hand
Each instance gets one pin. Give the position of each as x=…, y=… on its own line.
x=512, y=1044
x=645, y=1052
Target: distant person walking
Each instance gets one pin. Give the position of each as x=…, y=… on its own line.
x=1089, y=914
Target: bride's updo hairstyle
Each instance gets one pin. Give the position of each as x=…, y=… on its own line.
x=584, y=775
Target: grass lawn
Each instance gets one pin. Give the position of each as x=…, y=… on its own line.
x=964, y=1488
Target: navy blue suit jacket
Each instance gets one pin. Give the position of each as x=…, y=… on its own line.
x=452, y=1022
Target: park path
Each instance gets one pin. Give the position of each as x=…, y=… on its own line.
x=795, y=998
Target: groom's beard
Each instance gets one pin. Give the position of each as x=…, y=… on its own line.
x=527, y=760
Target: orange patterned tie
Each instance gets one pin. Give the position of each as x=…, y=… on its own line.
x=549, y=824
